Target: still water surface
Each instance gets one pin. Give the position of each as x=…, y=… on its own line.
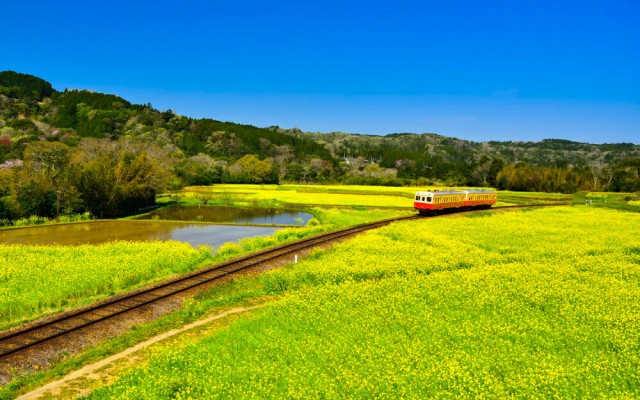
x=235, y=215
x=105, y=231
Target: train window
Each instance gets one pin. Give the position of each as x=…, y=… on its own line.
x=423, y=199
x=417, y=198
x=429, y=199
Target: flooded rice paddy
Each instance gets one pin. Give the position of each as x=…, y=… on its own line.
x=232, y=215
x=105, y=231
x=197, y=227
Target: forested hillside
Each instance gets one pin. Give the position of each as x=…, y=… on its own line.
x=550, y=165
x=78, y=150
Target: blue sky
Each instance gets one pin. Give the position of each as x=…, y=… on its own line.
x=500, y=70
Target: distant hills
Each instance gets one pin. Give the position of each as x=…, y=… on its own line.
x=204, y=151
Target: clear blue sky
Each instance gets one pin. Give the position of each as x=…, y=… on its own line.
x=492, y=70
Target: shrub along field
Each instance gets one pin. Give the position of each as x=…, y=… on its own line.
x=534, y=303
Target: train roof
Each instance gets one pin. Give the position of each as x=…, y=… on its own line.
x=480, y=191
x=445, y=192
x=440, y=192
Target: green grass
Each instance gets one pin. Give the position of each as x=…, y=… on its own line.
x=511, y=197
x=617, y=201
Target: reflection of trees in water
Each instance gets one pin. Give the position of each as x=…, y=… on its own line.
x=90, y=232
x=233, y=215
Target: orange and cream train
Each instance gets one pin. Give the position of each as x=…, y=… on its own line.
x=430, y=203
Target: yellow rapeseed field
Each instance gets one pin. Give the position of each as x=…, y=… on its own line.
x=39, y=280
x=334, y=195
x=530, y=304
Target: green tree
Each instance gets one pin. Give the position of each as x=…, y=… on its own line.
x=295, y=172
x=117, y=178
x=255, y=170
x=199, y=170
x=45, y=175
x=36, y=196
x=25, y=86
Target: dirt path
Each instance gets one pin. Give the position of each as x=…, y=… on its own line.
x=82, y=381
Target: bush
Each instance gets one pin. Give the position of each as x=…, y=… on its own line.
x=229, y=249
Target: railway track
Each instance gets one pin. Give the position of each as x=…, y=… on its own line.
x=19, y=340
x=22, y=339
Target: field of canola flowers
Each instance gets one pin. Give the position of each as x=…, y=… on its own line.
x=540, y=303
x=289, y=194
x=340, y=195
x=39, y=280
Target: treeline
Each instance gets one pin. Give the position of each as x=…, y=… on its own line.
x=107, y=178
x=622, y=177
x=24, y=86
x=110, y=178
x=78, y=150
